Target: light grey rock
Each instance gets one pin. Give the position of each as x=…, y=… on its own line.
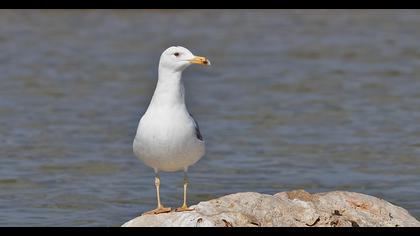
x=295, y=208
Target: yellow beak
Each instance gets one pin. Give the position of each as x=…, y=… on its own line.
x=200, y=60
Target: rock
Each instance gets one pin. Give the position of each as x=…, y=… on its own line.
x=295, y=208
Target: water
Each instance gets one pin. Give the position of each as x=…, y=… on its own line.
x=316, y=99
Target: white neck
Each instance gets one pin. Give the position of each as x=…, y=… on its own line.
x=169, y=89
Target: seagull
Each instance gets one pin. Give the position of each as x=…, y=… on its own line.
x=168, y=138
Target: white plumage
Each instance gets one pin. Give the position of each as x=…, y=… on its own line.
x=168, y=137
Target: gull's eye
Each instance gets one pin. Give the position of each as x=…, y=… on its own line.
x=176, y=54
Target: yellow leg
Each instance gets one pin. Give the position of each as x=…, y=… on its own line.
x=160, y=208
x=184, y=206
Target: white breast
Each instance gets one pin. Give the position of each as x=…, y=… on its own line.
x=166, y=139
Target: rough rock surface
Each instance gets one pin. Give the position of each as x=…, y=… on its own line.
x=295, y=208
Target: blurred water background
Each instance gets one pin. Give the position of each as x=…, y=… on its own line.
x=316, y=99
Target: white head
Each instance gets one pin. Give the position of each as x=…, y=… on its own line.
x=178, y=58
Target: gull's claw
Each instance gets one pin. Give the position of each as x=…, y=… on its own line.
x=183, y=208
x=158, y=210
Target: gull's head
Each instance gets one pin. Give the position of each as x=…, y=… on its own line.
x=178, y=58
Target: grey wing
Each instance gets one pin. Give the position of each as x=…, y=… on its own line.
x=197, y=129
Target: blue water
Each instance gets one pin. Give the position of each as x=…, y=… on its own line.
x=316, y=99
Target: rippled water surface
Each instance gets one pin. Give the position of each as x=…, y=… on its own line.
x=320, y=100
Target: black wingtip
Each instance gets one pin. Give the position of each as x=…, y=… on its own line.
x=198, y=134
x=197, y=129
